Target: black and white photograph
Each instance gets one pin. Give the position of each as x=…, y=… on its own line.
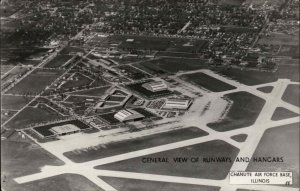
x=150, y=95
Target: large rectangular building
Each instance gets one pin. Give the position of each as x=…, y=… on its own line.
x=155, y=86
x=128, y=115
x=60, y=128
x=65, y=129
x=173, y=103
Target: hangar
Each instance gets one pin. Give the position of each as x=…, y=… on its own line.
x=64, y=129
x=128, y=115
x=60, y=128
x=155, y=86
x=174, y=103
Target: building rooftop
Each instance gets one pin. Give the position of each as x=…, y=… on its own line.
x=64, y=129
x=128, y=114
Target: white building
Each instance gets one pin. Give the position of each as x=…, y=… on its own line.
x=130, y=40
x=65, y=129
x=155, y=86
x=128, y=115
x=173, y=103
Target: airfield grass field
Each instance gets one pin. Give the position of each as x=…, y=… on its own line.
x=78, y=81
x=240, y=138
x=31, y=115
x=243, y=112
x=65, y=182
x=291, y=95
x=22, y=158
x=282, y=113
x=14, y=102
x=208, y=170
x=266, y=89
x=123, y=184
x=35, y=82
x=172, y=65
x=287, y=69
x=136, y=144
x=207, y=82
x=248, y=77
x=274, y=143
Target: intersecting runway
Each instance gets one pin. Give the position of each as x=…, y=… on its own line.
x=247, y=148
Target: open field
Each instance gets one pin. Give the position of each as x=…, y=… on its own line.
x=243, y=112
x=207, y=82
x=78, y=80
x=177, y=54
x=140, y=42
x=282, y=113
x=6, y=115
x=14, y=102
x=266, y=89
x=6, y=68
x=92, y=92
x=261, y=2
x=65, y=182
x=240, y=137
x=17, y=55
x=209, y=170
x=231, y=2
x=291, y=94
x=31, y=115
x=123, y=184
x=35, y=82
x=128, y=59
x=248, y=77
x=280, y=39
x=274, y=144
x=258, y=77
x=172, y=65
x=290, y=50
x=155, y=43
x=137, y=144
x=16, y=72
x=58, y=61
x=71, y=49
x=22, y=158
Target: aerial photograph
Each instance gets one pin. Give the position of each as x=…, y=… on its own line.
x=150, y=95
